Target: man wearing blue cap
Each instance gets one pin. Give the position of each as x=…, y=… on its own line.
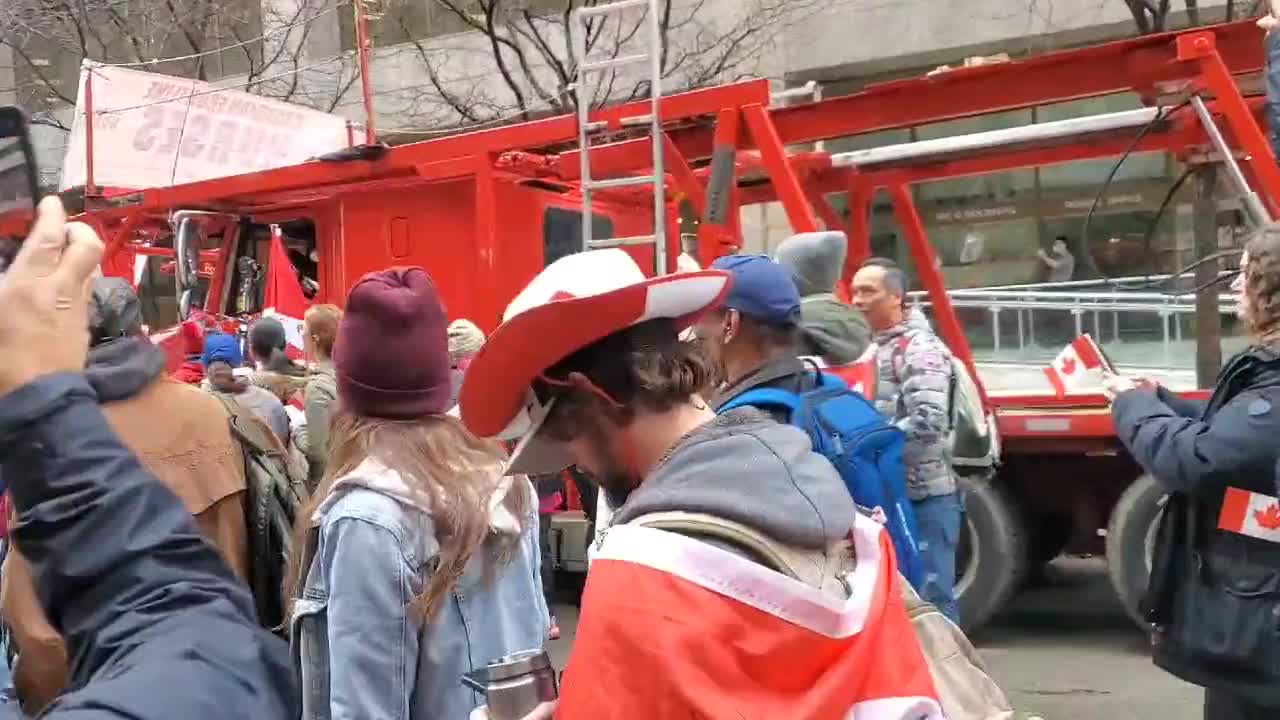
x=752, y=337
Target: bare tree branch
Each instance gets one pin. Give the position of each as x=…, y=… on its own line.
x=520, y=60
x=186, y=38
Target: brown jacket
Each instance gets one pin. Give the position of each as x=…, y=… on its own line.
x=181, y=435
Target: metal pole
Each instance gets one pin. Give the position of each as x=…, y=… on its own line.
x=1253, y=203
x=89, y=188
x=659, y=173
x=1208, y=321
x=584, y=114
x=366, y=79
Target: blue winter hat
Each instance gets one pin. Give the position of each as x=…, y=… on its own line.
x=762, y=289
x=224, y=348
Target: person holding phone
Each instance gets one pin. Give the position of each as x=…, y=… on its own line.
x=156, y=624
x=1215, y=579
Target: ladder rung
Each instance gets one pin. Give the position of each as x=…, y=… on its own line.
x=595, y=125
x=610, y=7
x=621, y=242
x=612, y=62
x=619, y=182
x=636, y=120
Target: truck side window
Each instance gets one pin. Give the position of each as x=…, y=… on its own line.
x=562, y=232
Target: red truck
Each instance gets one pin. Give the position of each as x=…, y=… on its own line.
x=484, y=211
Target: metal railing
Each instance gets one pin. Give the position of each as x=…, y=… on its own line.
x=1094, y=311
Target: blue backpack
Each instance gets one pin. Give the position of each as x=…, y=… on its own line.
x=865, y=449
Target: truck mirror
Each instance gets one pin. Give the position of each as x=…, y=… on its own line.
x=185, y=300
x=186, y=245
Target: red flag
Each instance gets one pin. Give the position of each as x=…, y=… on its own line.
x=860, y=376
x=675, y=627
x=284, y=299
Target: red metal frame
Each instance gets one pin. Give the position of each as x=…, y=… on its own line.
x=701, y=121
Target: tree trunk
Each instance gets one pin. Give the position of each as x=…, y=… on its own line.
x=1208, y=322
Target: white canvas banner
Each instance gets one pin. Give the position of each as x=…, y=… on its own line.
x=157, y=130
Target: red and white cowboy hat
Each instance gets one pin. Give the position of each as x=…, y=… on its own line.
x=574, y=302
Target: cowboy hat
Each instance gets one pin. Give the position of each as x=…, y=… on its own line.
x=574, y=302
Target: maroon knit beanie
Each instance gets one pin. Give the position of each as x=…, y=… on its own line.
x=392, y=351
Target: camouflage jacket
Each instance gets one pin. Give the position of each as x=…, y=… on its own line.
x=913, y=390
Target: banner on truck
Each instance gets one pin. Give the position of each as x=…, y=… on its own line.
x=155, y=130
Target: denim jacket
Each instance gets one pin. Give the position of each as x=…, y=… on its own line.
x=362, y=649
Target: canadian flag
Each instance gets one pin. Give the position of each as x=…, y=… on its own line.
x=860, y=376
x=1078, y=367
x=1250, y=513
x=673, y=627
x=284, y=299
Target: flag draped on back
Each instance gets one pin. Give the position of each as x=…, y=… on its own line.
x=673, y=627
x=284, y=299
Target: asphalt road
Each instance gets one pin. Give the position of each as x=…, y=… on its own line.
x=1064, y=649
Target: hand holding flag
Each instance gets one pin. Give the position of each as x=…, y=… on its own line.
x=1113, y=385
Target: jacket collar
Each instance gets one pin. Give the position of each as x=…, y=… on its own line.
x=787, y=366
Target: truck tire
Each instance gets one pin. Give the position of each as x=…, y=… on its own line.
x=992, y=554
x=1130, y=535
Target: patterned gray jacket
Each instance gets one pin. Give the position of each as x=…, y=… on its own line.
x=913, y=390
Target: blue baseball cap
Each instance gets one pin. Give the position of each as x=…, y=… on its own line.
x=762, y=289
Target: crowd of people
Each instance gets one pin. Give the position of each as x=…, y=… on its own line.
x=417, y=551
x=738, y=572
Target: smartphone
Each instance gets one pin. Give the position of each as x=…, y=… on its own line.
x=19, y=185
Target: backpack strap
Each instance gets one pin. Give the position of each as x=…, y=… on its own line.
x=777, y=397
x=825, y=569
x=248, y=430
x=898, y=356
x=763, y=398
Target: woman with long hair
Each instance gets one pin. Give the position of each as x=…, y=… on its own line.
x=415, y=561
x=1215, y=570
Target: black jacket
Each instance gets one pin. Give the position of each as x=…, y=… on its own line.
x=1213, y=592
x=156, y=625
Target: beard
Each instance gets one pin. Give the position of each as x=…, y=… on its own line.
x=611, y=471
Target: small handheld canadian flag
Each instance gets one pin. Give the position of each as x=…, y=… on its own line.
x=1078, y=367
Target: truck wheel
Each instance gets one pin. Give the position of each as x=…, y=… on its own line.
x=991, y=556
x=1131, y=537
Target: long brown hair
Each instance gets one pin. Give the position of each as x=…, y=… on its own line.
x=1262, y=285
x=456, y=473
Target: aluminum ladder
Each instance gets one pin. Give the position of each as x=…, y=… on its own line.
x=586, y=67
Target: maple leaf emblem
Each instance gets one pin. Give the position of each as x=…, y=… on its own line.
x=1068, y=365
x=1268, y=518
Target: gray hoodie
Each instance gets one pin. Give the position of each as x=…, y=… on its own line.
x=832, y=330
x=743, y=466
